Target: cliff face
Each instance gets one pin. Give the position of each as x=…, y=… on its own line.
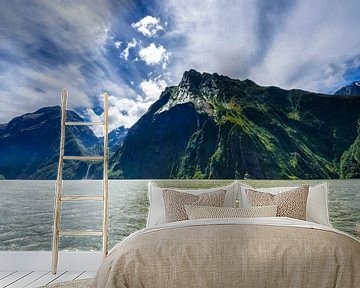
x=29, y=145
x=211, y=126
x=350, y=160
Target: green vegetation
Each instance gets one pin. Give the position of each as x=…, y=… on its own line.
x=198, y=174
x=235, y=129
x=29, y=146
x=350, y=161
x=294, y=115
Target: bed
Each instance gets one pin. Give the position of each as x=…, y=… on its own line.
x=234, y=251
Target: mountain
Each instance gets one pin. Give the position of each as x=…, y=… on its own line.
x=212, y=126
x=352, y=89
x=2, y=127
x=350, y=160
x=29, y=145
x=116, y=138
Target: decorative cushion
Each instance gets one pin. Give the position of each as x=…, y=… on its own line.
x=175, y=201
x=201, y=212
x=316, y=207
x=290, y=203
x=156, y=213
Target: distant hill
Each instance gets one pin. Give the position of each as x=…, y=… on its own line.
x=116, y=138
x=212, y=126
x=351, y=89
x=29, y=145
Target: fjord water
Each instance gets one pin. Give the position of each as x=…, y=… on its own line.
x=26, y=209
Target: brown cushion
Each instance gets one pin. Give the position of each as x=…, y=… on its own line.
x=175, y=201
x=290, y=203
x=201, y=212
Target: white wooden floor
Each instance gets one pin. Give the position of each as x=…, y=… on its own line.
x=32, y=268
x=32, y=279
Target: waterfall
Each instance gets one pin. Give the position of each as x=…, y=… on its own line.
x=87, y=172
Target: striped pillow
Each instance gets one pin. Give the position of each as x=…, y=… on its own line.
x=201, y=212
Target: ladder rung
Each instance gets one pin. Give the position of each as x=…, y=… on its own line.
x=83, y=123
x=80, y=233
x=96, y=158
x=81, y=198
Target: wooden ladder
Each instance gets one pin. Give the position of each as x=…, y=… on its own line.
x=59, y=197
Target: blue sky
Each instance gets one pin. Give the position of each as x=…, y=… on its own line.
x=134, y=49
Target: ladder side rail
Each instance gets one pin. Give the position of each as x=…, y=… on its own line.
x=55, y=242
x=105, y=178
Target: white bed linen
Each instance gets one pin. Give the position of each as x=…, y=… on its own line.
x=271, y=221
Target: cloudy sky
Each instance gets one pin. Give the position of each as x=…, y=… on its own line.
x=134, y=49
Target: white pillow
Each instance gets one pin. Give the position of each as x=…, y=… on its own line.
x=156, y=213
x=317, y=202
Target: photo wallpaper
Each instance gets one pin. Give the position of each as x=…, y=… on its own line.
x=198, y=89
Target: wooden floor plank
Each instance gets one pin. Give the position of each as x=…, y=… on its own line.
x=47, y=278
x=32, y=279
x=68, y=276
x=28, y=279
x=87, y=274
x=4, y=274
x=12, y=278
x=77, y=277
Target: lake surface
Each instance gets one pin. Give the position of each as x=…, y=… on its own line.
x=26, y=209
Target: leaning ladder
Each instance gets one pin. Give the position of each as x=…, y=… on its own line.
x=59, y=197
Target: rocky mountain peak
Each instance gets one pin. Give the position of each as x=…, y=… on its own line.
x=191, y=80
x=202, y=89
x=351, y=89
x=194, y=81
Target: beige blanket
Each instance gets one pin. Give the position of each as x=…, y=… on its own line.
x=234, y=253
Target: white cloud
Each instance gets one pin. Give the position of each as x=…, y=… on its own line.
x=126, y=112
x=117, y=44
x=125, y=105
x=304, y=44
x=152, y=88
x=148, y=26
x=85, y=31
x=153, y=55
x=28, y=89
x=313, y=52
x=125, y=53
x=212, y=36
x=73, y=38
x=30, y=80
x=122, y=112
